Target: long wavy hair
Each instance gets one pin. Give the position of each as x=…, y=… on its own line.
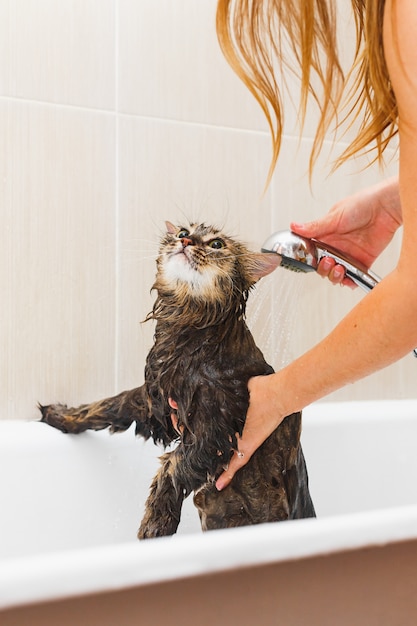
x=261, y=39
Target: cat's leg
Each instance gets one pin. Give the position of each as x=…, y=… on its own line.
x=116, y=413
x=164, y=503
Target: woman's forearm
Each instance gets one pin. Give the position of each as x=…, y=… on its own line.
x=387, y=196
x=380, y=330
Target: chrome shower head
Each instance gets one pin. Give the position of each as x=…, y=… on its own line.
x=301, y=254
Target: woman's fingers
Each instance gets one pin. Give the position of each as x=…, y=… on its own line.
x=174, y=418
x=238, y=460
x=328, y=268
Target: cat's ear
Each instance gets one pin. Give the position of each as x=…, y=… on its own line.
x=263, y=264
x=171, y=229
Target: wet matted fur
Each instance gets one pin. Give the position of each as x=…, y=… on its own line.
x=202, y=358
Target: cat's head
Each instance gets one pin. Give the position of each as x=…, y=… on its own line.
x=200, y=262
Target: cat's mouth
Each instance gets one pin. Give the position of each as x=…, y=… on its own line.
x=181, y=266
x=184, y=255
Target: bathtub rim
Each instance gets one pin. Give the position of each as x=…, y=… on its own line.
x=100, y=569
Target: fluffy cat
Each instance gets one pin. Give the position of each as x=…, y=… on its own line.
x=202, y=358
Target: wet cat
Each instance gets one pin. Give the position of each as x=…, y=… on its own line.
x=195, y=392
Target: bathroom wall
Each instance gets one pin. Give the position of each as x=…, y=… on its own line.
x=114, y=116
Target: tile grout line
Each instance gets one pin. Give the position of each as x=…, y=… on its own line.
x=116, y=204
x=57, y=105
x=163, y=120
x=116, y=112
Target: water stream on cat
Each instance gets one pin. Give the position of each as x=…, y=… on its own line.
x=273, y=315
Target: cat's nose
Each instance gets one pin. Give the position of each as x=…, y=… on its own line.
x=186, y=241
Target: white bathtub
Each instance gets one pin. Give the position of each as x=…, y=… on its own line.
x=71, y=505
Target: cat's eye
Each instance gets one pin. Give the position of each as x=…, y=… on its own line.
x=216, y=244
x=183, y=233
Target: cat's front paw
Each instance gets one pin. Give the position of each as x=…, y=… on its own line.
x=148, y=532
x=61, y=417
x=157, y=526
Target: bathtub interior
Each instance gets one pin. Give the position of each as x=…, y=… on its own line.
x=60, y=492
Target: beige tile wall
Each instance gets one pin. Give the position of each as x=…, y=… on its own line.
x=114, y=116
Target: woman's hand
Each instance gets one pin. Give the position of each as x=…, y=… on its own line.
x=361, y=225
x=263, y=417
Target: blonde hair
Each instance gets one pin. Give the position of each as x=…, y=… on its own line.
x=261, y=37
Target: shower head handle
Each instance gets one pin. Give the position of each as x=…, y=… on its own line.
x=304, y=255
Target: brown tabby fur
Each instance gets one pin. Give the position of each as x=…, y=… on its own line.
x=202, y=358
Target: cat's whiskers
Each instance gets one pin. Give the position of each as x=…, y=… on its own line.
x=135, y=240
x=138, y=248
x=140, y=256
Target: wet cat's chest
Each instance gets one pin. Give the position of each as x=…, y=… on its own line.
x=227, y=356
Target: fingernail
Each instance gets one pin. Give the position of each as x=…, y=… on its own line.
x=326, y=264
x=338, y=273
x=297, y=226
